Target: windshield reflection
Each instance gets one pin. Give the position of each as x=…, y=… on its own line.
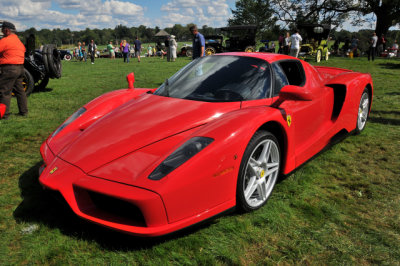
x=220, y=79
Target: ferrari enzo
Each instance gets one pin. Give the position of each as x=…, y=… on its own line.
x=213, y=137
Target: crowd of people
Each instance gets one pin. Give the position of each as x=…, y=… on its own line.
x=12, y=53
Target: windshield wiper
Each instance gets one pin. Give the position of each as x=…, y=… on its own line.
x=166, y=88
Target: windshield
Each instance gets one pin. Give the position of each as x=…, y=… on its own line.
x=220, y=79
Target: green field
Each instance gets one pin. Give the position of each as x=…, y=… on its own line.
x=343, y=207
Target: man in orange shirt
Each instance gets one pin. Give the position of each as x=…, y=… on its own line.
x=12, y=56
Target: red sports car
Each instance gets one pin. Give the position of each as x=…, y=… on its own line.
x=216, y=135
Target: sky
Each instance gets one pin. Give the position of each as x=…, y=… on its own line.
x=81, y=14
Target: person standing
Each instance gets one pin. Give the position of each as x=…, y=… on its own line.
x=138, y=48
x=372, y=47
x=172, y=46
x=199, y=43
x=281, y=41
x=12, y=56
x=125, y=51
x=381, y=45
x=92, y=47
x=84, y=51
x=167, y=48
x=295, y=39
x=286, y=47
x=111, y=51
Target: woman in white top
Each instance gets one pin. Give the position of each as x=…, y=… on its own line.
x=173, y=46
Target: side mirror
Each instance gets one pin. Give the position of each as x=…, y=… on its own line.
x=293, y=93
x=131, y=79
x=2, y=110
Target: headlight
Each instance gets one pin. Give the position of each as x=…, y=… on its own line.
x=70, y=120
x=180, y=156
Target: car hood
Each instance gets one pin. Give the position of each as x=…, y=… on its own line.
x=138, y=124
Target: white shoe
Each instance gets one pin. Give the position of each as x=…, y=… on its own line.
x=92, y=63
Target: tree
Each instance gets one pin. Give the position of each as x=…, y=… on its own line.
x=312, y=11
x=123, y=32
x=387, y=13
x=253, y=12
x=336, y=11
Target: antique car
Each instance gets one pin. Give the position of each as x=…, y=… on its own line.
x=315, y=41
x=186, y=50
x=215, y=136
x=239, y=38
x=213, y=44
x=65, y=54
x=40, y=65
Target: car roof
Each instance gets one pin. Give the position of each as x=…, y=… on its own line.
x=269, y=57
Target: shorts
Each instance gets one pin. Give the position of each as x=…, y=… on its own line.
x=137, y=53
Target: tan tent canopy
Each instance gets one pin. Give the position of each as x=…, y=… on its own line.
x=162, y=33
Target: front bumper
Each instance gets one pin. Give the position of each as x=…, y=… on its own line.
x=126, y=208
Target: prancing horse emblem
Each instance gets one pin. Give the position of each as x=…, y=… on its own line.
x=53, y=170
x=289, y=120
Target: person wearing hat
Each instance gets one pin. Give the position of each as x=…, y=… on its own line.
x=12, y=56
x=172, y=46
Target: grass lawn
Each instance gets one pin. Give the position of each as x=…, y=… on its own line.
x=343, y=207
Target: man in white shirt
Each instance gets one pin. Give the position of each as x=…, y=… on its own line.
x=295, y=39
x=372, y=47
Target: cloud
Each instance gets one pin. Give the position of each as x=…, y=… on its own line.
x=73, y=14
x=81, y=14
x=202, y=12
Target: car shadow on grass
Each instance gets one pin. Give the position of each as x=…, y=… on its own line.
x=39, y=206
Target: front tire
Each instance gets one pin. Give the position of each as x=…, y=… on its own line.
x=363, y=111
x=318, y=56
x=259, y=171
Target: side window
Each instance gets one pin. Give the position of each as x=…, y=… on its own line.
x=280, y=79
x=294, y=72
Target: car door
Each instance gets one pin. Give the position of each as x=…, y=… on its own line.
x=305, y=118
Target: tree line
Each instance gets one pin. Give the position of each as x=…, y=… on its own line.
x=62, y=37
x=272, y=17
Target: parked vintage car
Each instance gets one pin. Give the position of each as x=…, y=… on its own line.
x=214, y=136
x=239, y=38
x=65, y=54
x=315, y=41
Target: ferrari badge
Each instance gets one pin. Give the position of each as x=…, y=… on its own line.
x=53, y=170
x=289, y=120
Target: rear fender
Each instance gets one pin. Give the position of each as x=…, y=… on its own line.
x=352, y=84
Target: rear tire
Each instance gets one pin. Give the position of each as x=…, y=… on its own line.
x=363, y=111
x=210, y=51
x=258, y=172
x=28, y=82
x=67, y=57
x=250, y=49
